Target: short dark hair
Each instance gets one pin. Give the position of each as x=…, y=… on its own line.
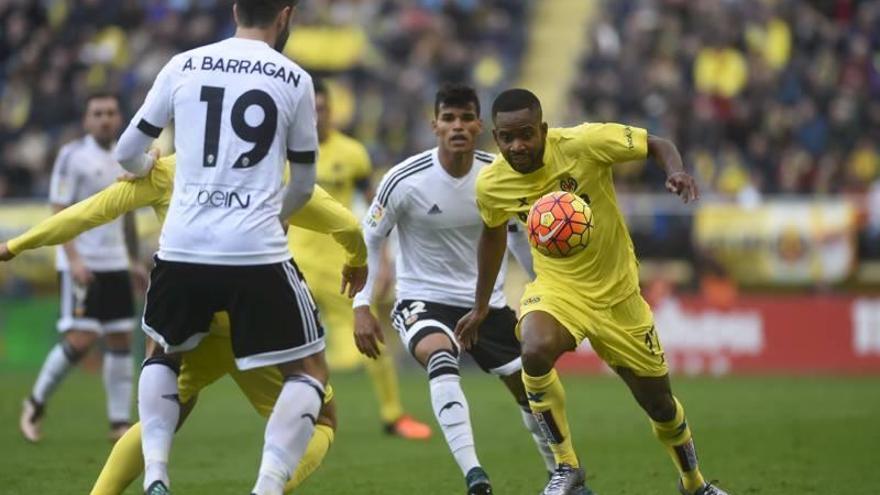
x=515, y=99
x=99, y=95
x=320, y=86
x=456, y=95
x=260, y=12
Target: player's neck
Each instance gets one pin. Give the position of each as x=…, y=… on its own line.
x=456, y=164
x=258, y=34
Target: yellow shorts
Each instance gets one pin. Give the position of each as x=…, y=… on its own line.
x=622, y=335
x=213, y=359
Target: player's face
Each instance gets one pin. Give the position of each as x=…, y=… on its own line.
x=103, y=120
x=520, y=138
x=457, y=128
x=322, y=107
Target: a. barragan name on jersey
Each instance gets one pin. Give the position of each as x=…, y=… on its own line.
x=243, y=66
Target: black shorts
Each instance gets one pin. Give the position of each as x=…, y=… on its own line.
x=497, y=350
x=105, y=305
x=272, y=314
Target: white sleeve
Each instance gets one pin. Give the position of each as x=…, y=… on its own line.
x=378, y=224
x=302, y=135
x=64, y=181
x=518, y=245
x=147, y=124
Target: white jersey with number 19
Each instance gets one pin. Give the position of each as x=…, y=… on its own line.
x=240, y=109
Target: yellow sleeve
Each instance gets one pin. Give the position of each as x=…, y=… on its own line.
x=611, y=143
x=325, y=215
x=103, y=207
x=491, y=211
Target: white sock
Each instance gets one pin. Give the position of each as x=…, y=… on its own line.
x=288, y=432
x=451, y=409
x=540, y=439
x=61, y=358
x=118, y=375
x=159, y=410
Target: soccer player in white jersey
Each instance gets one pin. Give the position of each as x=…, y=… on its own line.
x=93, y=270
x=430, y=198
x=240, y=108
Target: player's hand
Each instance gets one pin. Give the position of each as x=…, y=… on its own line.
x=5, y=253
x=353, y=277
x=367, y=332
x=127, y=177
x=468, y=327
x=81, y=275
x=684, y=185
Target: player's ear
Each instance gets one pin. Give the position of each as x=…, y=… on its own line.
x=235, y=13
x=544, y=128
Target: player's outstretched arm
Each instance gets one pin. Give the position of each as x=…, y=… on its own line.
x=490, y=254
x=678, y=181
x=325, y=215
x=99, y=209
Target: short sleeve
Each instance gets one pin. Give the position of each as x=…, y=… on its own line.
x=302, y=135
x=158, y=108
x=65, y=180
x=383, y=213
x=490, y=211
x=611, y=143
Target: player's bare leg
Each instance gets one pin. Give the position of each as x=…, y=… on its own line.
x=514, y=383
x=544, y=339
x=73, y=346
x=439, y=356
x=118, y=375
x=654, y=395
x=159, y=411
x=292, y=422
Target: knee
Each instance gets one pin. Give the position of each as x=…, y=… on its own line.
x=77, y=344
x=538, y=353
x=119, y=343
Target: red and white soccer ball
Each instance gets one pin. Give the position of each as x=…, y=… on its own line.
x=560, y=224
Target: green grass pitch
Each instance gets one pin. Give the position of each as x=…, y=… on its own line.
x=759, y=436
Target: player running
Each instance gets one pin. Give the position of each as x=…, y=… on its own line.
x=213, y=358
x=93, y=270
x=593, y=294
x=344, y=167
x=429, y=198
x=239, y=108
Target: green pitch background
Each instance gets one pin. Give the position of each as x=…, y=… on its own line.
x=768, y=436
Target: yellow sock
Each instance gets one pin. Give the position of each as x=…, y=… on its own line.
x=675, y=435
x=314, y=456
x=547, y=401
x=384, y=378
x=124, y=465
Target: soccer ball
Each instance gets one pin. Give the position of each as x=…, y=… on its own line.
x=560, y=224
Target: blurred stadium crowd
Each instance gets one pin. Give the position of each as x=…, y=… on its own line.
x=390, y=53
x=761, y=96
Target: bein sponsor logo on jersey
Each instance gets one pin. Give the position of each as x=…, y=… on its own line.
x=237, y=66
x=218, y=198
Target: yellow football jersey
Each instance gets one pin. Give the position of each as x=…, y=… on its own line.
x=578, y=160
x=342, y=162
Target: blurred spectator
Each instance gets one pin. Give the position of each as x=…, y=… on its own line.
x=387, y=58
x=762, y=96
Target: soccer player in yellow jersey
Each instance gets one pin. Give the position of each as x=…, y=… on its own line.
x=593, y=294
x=213, y=359
x=344, y=167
